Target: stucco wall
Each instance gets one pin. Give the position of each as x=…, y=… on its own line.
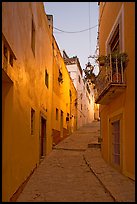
x=20, y=149
x=124, y=103
x=61, y=98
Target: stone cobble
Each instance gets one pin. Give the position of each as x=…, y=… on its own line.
x=72, y=172
x=63, y=177
x=120, y=187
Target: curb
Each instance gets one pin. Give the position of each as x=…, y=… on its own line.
x=106, y=189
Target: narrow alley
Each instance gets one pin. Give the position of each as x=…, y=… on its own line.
x=75, y=172
x=68, y=102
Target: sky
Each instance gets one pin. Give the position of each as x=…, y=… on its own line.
x=73, y=17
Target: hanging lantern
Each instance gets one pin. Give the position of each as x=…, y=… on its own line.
x=89, y=66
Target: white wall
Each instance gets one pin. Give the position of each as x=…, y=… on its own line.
x=85, y=101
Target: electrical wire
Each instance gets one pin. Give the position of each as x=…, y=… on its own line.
x=75, y=31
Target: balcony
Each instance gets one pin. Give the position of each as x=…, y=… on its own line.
x=4, y=63
x=8, y=55
x=110, y=81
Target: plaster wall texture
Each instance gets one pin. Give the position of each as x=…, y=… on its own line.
x=26, y=90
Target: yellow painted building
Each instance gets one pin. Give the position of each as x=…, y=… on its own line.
x=27, y=75
x=36, y=103
x=64, y=96
x=116, y=85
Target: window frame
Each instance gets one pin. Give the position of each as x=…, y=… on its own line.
x=79, y=79
x=33, y=36
x=46, y=79
x=112, y=119
x=57, y=114
x=116, y=142
x=32, y=122
x=5, y=51
x=8, y=55
x=118, y=22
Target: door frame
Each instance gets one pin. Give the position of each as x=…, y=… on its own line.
x=61, y=123
x=111, y=120
x=42, y=139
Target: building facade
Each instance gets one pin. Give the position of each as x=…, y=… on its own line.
x=116, y=85
x=85, y=92
x=26, y=92
x=36, y=102
x=64, y=98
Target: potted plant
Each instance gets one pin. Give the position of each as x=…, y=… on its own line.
x=102, y=59
x=121, y=57
x=124, y=58
x=117, y=76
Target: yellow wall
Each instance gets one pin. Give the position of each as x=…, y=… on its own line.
x=125, y=103
x=20, y=150
x=61, y=94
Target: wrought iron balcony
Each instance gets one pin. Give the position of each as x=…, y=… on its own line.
x=110, y=81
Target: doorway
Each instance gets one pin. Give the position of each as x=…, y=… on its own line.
x=61, y=124
x=43, y=138
x=116, y=149
x=116, y=142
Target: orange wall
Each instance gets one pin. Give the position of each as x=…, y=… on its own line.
x=126, y=101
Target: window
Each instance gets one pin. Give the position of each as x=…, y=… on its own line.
x=88, y=89
x=67, y=118
x=46, y=78
x=116, y=142
x=57, y=113
x=115, y=39
x=114, y=43
x=33, y=37
x=32, y=121
x=70, y=94
x=114, y=46
x=5, y=57
x=11, y=59
x=60, y=78
x=5, y=51
x=8, y=54
x=79, y=79
x=81, y=106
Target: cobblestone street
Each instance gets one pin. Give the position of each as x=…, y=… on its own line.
x=75, y=172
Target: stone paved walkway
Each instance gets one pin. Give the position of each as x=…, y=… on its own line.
x=72, y=172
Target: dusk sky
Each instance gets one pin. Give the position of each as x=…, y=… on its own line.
x=71, y=17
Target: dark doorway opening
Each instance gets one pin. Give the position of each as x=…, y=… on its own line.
x=43, y=138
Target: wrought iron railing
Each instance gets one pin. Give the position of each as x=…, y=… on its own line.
x=110, y=73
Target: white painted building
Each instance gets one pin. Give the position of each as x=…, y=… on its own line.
x=85, y=91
